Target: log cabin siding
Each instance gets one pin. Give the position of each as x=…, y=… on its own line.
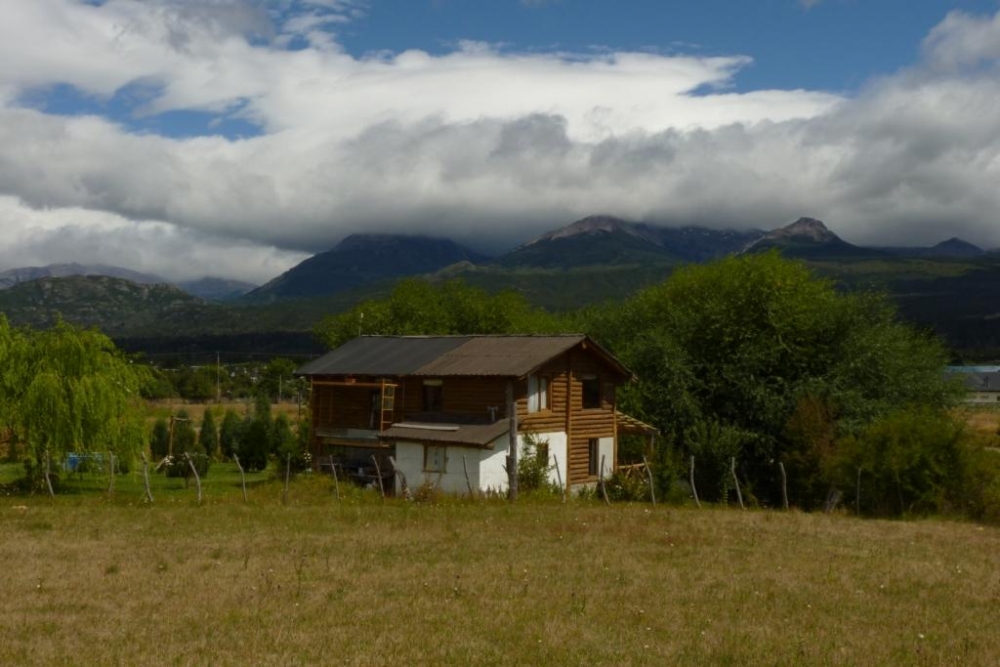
x=459, y=395
x=343, y=407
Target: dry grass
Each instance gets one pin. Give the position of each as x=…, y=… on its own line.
x=87, y=581
x=982, y=422
x=196, y=410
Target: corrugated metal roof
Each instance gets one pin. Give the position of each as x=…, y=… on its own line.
x=500, y=355
x=441, y=356
x=479, y=435
x=382, y=355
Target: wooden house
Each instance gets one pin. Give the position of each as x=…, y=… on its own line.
x=443, y=408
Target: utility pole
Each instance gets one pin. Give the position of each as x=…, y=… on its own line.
x=218, y=376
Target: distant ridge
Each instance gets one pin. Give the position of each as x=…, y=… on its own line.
x=13, y=277
x=607, y=240
x=953, y=247
x=809, y=238
x=362, y=259
x=216, y=289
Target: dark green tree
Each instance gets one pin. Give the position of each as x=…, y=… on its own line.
x=736, y=348
x=420, y=307
x=159, y=441
x=257, y=436
x=208, y=436
x=229, y=434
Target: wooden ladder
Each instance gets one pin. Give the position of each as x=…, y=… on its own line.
x=387, y=410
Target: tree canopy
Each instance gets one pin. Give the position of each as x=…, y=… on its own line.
x=417, y=307
x=69, y=389
x=738, y=357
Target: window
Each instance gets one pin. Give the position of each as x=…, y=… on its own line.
x=538, y=393
x=591, y=392
x=435, y=458
x=593, y=456
x=433, y=396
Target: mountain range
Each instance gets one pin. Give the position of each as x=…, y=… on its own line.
x=208, y=288
x=949, y=286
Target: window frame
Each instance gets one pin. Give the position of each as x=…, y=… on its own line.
x=432, y=396
x=590, y=387
x=593, y=456
x=430, y=455
x=538, y=393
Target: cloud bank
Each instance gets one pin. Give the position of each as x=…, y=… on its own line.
x=481, y=144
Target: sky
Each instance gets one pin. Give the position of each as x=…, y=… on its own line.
x=235, y=138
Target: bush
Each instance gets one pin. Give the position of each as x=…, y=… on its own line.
x=229, y=433
x=159, y=441
x=911, y=461
x=533, y=464
x=627, y=485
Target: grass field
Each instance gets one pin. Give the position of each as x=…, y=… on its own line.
x=92, y=579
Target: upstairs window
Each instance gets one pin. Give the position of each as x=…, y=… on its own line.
x=538, y=393
x=433, y=396
x=591, y=392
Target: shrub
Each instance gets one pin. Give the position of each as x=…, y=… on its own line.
x=627, y=485
x=159, y=441
x=533, y=465
x=911, y=461
x=229, y=433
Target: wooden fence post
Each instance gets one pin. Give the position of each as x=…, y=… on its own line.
x=604, y=489
x=857, y=495
x=562, y=489
x=336, y=482
x=111, y=467
x=145, y=477
x=468, y=481
x=288, y=474
x=649, y=475
x=197, y=479
x=784, y=485
x=243, y=476
x=739, y=494
x=48, y=474
x=402, y=477
x=378, y=473
x=511, y=442
x=694, y=489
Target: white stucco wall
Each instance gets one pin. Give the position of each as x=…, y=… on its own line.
x=606, y=447
x=486, y=465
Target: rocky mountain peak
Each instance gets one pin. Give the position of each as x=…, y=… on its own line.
x=806, y=229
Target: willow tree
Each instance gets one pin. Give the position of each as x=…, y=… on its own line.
x=68, y=389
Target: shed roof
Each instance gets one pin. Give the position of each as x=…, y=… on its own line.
x=480, y=435
x=439, y=356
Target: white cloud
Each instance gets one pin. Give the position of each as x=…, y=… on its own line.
x=37, y=237
x=487, y=146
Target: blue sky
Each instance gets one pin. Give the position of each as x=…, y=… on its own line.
x=236, y=137
x=833, y=44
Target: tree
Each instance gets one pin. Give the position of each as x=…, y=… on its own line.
x=276, y=378
x=68, y=389
x=257, y=436
x=419, y=307
x=229, y=433
x=159, y=442
x=208, y=436
x=735, y=348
